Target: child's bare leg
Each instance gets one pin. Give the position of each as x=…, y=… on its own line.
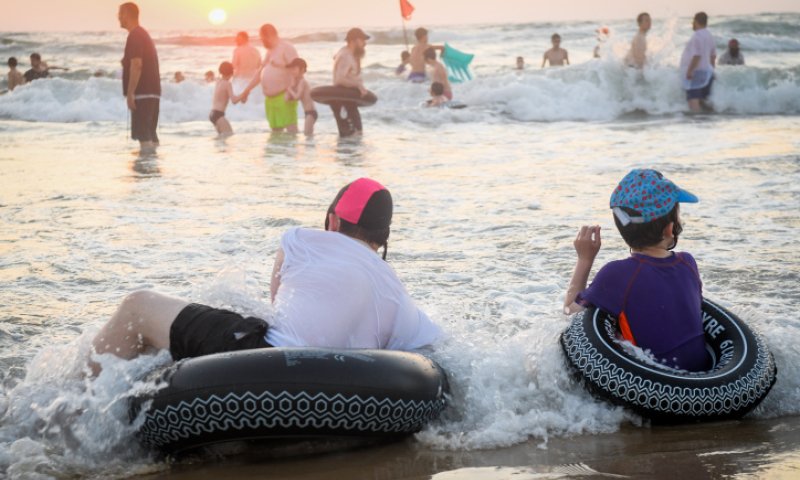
x=308, y=125
x=223, y=126
x=143, y=319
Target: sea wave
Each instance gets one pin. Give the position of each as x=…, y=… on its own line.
x=594, y=91
x=377, y=37
x=785, y=25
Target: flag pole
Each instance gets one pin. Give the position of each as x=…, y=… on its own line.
x=405, y=34
x=405, y=13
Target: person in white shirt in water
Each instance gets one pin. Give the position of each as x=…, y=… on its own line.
x=329, y=289
x=697, y=63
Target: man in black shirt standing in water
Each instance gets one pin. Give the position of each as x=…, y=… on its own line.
x=141, y=81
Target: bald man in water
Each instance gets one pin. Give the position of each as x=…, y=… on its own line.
x=275, y=78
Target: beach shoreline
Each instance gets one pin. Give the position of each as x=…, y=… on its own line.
x=732, y=449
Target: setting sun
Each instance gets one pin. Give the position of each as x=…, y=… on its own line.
x=217, y=16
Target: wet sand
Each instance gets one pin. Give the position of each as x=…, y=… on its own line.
x=745, y=449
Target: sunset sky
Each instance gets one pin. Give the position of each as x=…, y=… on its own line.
x=49, y=15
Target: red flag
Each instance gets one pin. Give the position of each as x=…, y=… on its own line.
x=406, y=9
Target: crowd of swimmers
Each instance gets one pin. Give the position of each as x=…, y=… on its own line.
x=422, y=57
x=39, y=69
x=281, y=73
x=698, y=60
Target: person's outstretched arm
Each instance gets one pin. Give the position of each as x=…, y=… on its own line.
x=587, y=244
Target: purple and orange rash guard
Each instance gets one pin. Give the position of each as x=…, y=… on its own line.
x=661, y=300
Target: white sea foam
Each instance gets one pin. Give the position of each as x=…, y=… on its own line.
x=589, y=90
x=598, y=90
x=56, y=421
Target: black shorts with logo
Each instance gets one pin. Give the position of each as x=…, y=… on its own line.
x=202, y=330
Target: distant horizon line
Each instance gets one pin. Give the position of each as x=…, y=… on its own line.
x=387, y=26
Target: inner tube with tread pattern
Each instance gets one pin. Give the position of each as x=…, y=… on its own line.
x=743, y=370
x=290, y=392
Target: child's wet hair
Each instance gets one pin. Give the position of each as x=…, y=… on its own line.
x=437, y=88
x=429, y=54
x=226, y=69
x=299, y=63
x=642, y=235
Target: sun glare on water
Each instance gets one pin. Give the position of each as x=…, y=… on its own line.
x=217, y=16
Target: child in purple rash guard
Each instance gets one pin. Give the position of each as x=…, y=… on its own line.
x=656, y=294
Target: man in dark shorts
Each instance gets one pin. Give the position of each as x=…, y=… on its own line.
x=329, y=289
x=141, y=80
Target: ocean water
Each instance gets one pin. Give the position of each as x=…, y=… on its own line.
x=488, y=200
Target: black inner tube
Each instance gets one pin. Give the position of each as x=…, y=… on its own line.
x=742, y=375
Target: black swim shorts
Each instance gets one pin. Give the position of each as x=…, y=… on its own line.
x=215, y=115
x=144, y=120
x=202, y=330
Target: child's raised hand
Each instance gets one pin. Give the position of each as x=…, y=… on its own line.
x=587, y=243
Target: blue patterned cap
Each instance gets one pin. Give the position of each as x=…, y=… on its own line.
x=649, y=193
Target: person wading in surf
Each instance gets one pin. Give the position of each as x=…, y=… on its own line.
x=141, y=80
x=347, y=73
x=275, y=77
x=697, y=63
